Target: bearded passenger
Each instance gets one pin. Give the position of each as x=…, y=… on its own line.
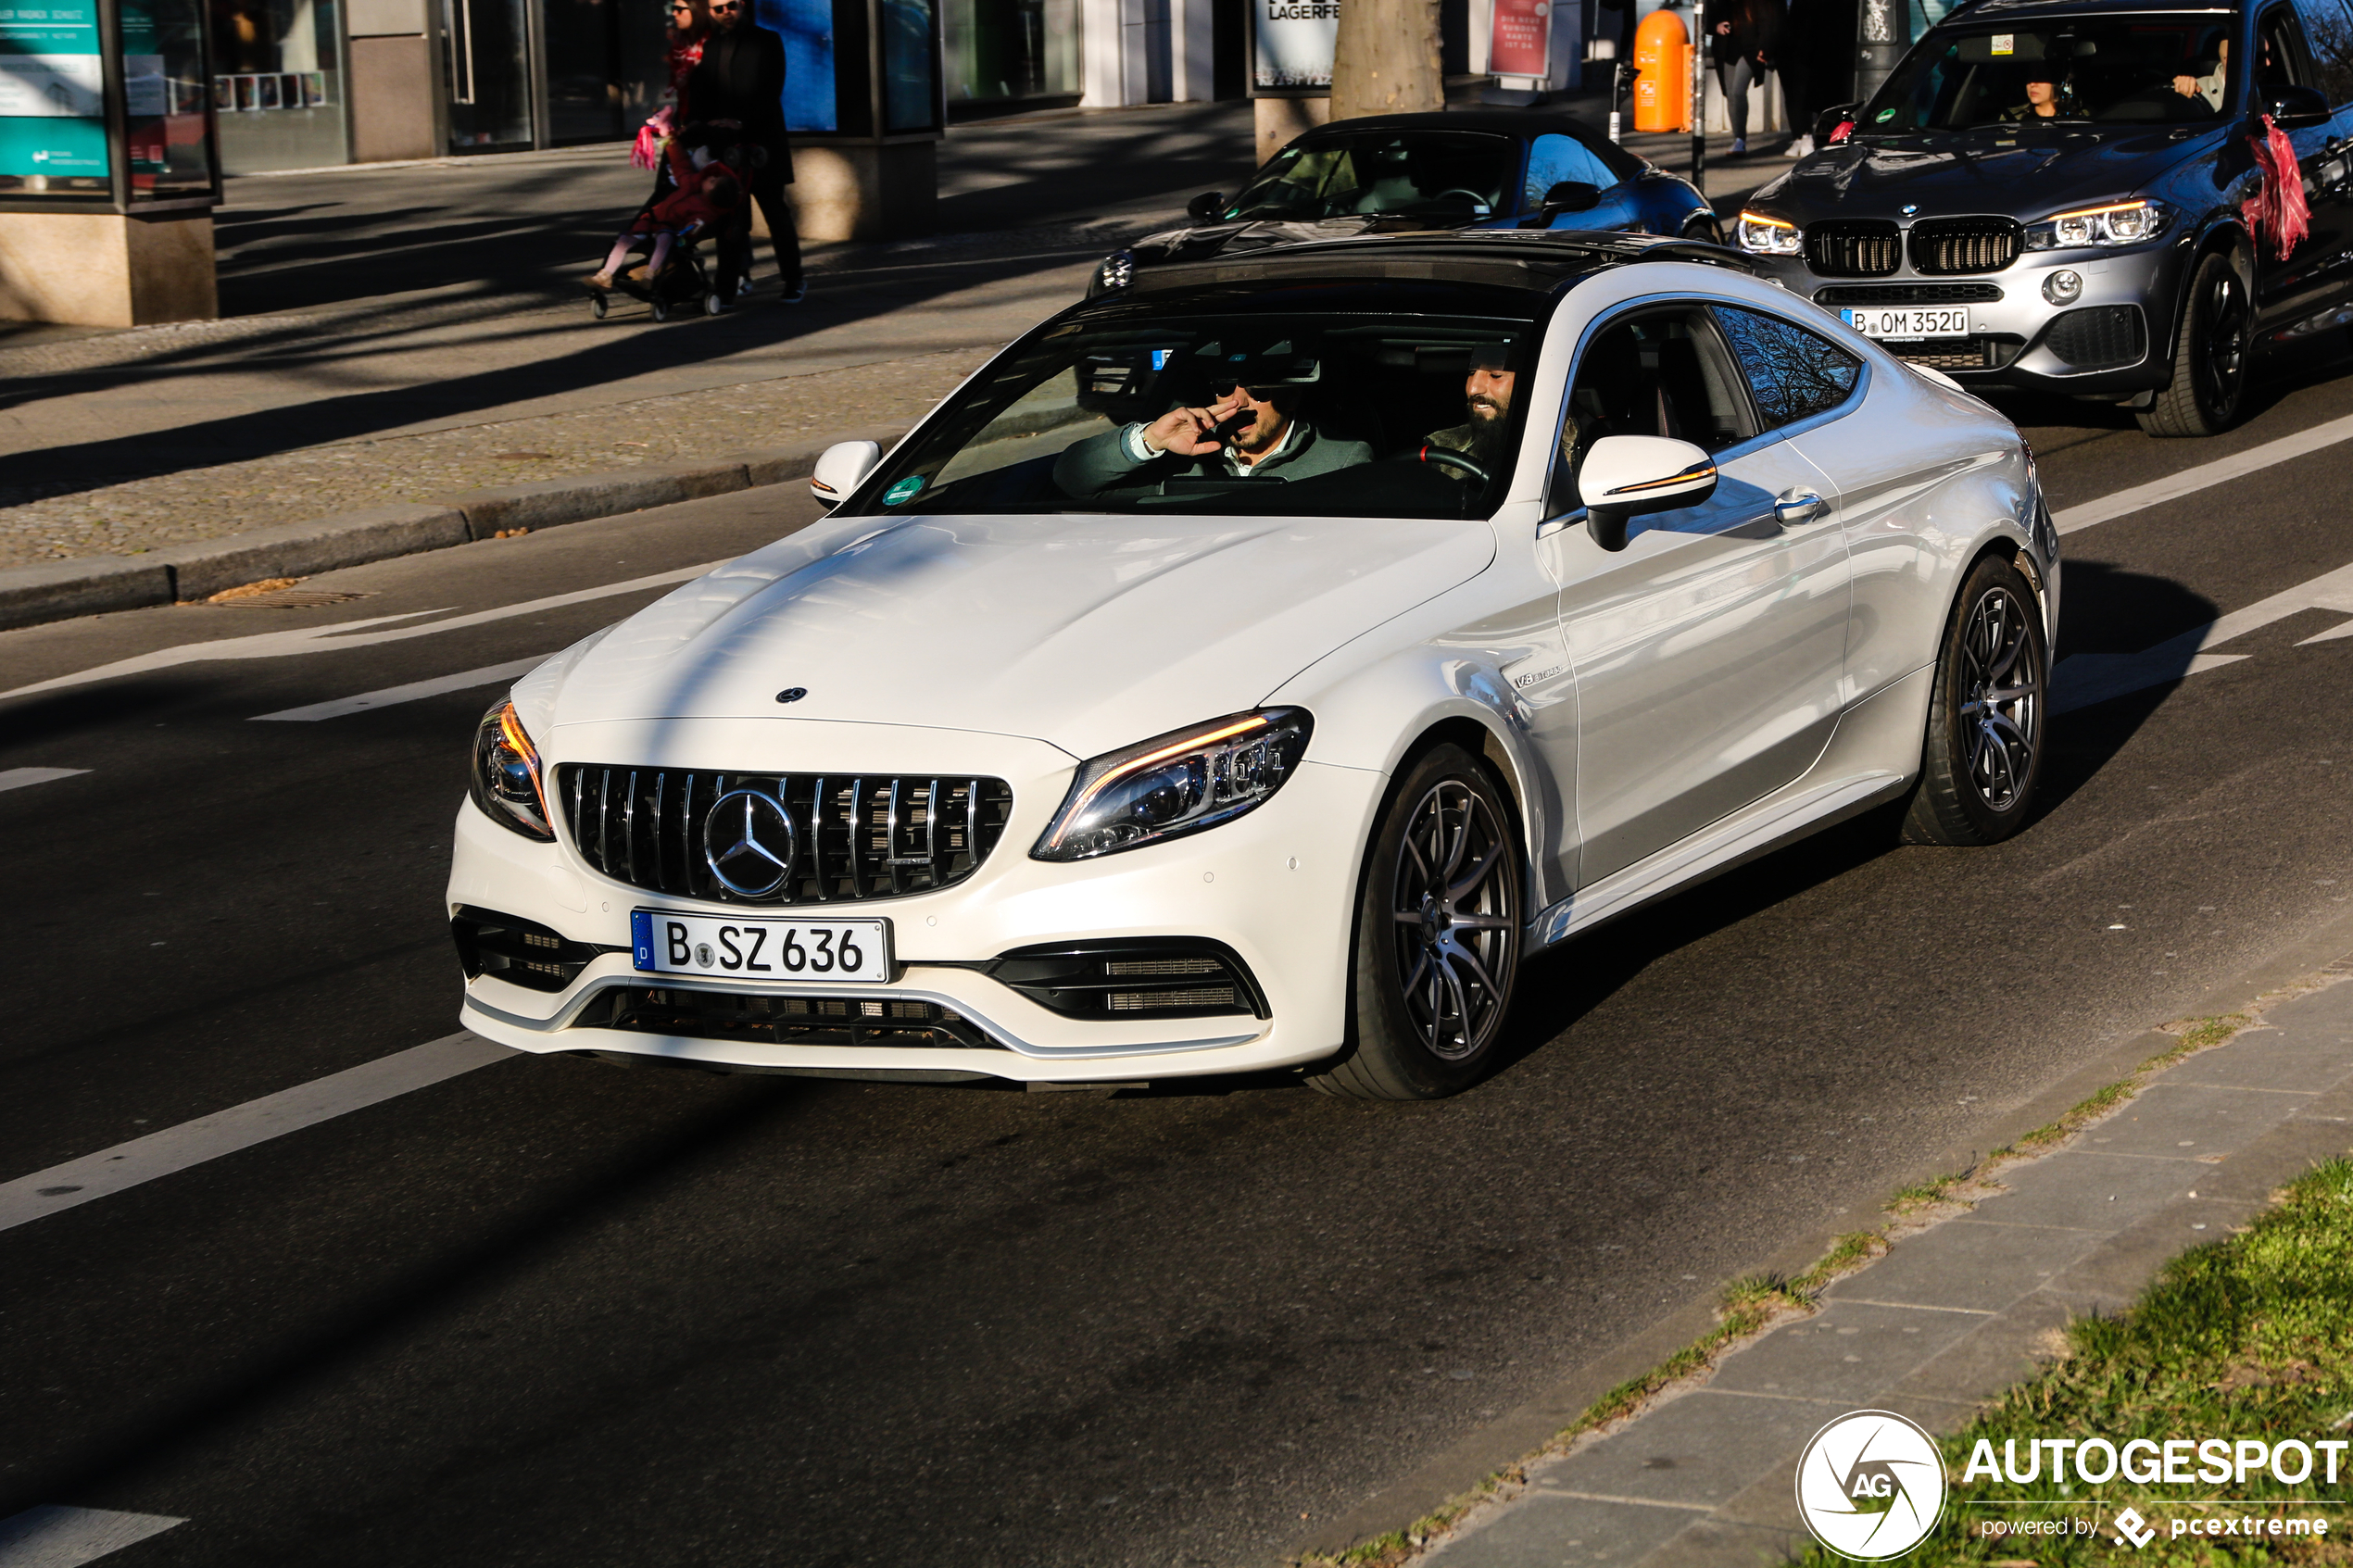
x=1486, y=403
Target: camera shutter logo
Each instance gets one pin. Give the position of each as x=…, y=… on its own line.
x=1870, y=1485
x=748, y=842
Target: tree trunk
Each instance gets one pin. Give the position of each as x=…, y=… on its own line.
x=1386, y=59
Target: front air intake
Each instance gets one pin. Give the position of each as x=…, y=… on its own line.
x=1133, y=977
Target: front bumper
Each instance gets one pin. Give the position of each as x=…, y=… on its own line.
x=2018, y=337
x=1276, y=886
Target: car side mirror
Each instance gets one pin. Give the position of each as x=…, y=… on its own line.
x=1826, y=123
x=1569, y=195
x=2291, y=108
x=841, y=468
x=1628, y=476
x=1204, y=208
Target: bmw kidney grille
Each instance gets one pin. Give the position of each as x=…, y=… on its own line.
x=792, y=838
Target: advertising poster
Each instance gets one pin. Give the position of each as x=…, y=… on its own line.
x=1293, y=42
x=1522, y=42
x=806, y=28
x=52, y=91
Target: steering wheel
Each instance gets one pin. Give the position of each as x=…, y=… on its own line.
x=1447, y=455
x=1472, y=196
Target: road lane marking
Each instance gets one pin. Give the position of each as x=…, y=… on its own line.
x=2087, y=678
x=2189, y=482
x=346, y=634
x=17, y=778
x=66, y=1537
x=127, y=1165
x=440, y=685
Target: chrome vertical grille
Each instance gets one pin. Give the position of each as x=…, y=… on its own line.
x=1942, y=247
x=856, y=836
x=1853, y=249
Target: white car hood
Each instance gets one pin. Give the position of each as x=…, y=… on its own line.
x=1085, y=632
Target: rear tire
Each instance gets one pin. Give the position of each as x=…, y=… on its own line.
x=2209, y=357
x=1984, y=751
x=1437, y=935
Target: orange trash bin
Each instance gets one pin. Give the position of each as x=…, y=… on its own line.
x=1662, y=65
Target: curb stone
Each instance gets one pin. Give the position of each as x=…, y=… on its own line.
x=93, y=585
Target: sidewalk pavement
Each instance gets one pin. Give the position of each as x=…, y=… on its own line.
x=1950, y=1317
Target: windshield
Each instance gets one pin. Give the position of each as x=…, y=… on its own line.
x=1405, y=409
x=1451, y=173
x=2151, y=69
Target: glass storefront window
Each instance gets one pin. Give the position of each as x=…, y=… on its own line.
x=606, y=67
x=277, y=84
x=489, y=89
x=163, y=93
x=910, y=78
x=1003, y=51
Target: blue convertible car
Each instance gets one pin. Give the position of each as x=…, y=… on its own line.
x=1470, y=169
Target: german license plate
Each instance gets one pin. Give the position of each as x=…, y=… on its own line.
x=1941, y=322
x=664, y=943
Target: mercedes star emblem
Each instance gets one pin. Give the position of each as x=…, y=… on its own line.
x=750, y=843
x=792, y=693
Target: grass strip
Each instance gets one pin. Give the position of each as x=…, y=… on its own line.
x=2250, y=1337
x=1749, y=1306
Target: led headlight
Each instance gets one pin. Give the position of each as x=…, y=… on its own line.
x=1768, y=236
x=1117, y=272
x=1175, y=783
x=2118, y=223
x=506, y=781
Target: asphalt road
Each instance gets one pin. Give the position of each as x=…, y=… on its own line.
x=553, y=1313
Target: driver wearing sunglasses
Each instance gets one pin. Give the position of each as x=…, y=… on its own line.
x=1251, y=428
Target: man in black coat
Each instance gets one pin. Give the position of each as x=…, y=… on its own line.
x=741, y=79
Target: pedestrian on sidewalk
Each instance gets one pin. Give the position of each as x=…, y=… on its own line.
x=1817, y=64
x=739, y=83
x=707, y=197
x=1744, y=49
x=689, y=29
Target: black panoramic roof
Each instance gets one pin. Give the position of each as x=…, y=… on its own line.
x=1536, y=260
x=1510, y=122
x=2060, y=10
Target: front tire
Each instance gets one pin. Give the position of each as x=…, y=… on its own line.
x=1437, y=933
x=1704, y=227
x=2210, y=358
x=1986, y=715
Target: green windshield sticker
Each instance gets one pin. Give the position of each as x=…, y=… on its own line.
x=1887, y=114
x=903, y=489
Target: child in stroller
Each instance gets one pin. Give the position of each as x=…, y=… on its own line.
x=703, y=192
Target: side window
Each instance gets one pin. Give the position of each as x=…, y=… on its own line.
x=1555, y=158
x=2281, y=59
x=1663, y=372
x=2328, y=26
x=1794, y=373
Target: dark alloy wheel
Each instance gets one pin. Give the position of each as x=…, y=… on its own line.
x=1438, y=934
x=1987, y=714
x=2210, y=361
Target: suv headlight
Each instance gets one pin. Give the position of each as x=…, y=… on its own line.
x=1175, y=783
x=506, y=781
x=1118, y=270
x=1768, y=236
x=2116, y=223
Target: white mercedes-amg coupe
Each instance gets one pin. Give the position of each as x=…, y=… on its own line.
x=1251, y=665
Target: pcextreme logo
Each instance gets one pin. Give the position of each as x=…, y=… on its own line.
x=1870, y=1485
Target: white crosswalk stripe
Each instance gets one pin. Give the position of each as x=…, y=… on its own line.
x=465, y=679
x=18, y=778
x=66, y=1537
x=2088, y=678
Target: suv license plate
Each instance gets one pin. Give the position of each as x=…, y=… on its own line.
x=1944, y=321
x=664, y=943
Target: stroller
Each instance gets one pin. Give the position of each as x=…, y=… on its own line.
x=686, y=279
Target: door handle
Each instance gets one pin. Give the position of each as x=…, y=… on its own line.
x=1794, y=506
